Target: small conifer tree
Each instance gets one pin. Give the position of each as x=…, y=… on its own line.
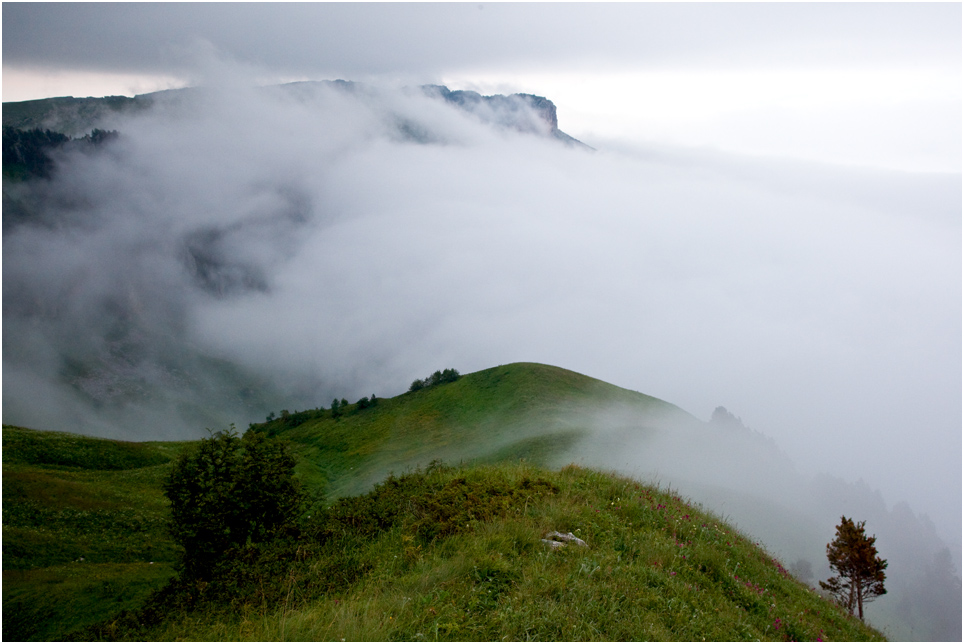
x=860, y=572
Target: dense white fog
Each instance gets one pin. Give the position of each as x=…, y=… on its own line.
x=236, y=251
x=770, y=221
x=343, y=242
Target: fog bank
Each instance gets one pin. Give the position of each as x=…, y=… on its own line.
x=238, y=251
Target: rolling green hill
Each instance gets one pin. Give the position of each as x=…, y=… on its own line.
x=84, y=529
x=522, y=410
x=437, y=553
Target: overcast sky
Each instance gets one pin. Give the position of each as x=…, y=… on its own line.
x=772, y=222
x=872, y=84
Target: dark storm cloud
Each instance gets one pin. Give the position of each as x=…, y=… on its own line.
x=424, y=40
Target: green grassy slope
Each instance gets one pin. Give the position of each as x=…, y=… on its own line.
x=521, y=410
x=84, y=518
x=457, y=554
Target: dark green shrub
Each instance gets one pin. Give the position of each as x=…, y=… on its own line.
x=437, y=378
x=229, y=493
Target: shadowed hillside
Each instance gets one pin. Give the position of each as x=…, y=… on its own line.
x=84, y=529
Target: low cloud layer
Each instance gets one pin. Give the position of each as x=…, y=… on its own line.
x=413, y=39
x=238, y=251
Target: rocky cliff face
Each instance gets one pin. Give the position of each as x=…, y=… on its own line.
x=515, y=110
x=522, y=112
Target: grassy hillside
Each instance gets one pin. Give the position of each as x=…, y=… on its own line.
x=521, y=410
x=457, y=554
x=84, y=526
x=441, y=553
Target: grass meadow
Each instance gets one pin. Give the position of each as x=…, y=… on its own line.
x=437, y=552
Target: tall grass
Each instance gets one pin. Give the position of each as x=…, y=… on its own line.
x=84, y=529
x=656, y=568
x=45, y=604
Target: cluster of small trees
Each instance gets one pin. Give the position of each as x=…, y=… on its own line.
x=437, y=378
x=286, y=419
x=30, y=149
x=339, y=407
x=366, y=402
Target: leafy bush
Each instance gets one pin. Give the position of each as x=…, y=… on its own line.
x=432, y=504
x=229, y=493
x=366, y=402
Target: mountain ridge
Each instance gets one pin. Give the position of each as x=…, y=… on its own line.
x=76, y=116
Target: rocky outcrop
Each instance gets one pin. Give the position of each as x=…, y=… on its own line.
x=558, y=540
x=506, y=109
x=522, y=112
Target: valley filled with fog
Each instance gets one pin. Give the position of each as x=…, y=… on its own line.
x=238, y=250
